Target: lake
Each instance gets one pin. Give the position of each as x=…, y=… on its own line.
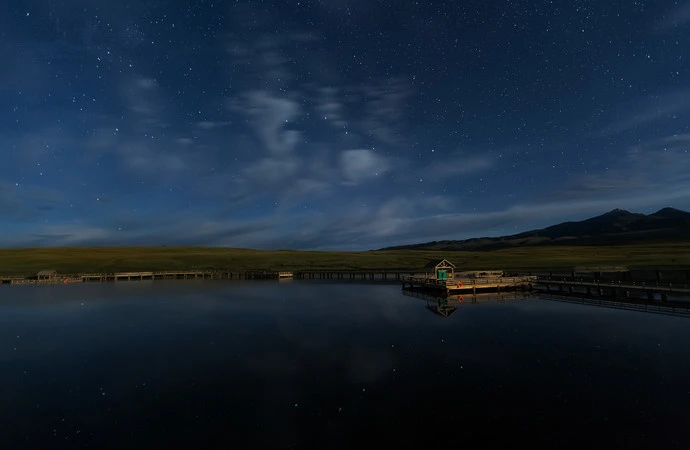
x=306, y=364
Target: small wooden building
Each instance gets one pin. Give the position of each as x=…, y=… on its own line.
x=440, y=269
x=46, y=274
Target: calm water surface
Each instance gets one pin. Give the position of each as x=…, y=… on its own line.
x=187, y=364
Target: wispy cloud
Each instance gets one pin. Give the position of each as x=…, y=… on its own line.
x=676, y=18
x=144, y=98
x=146, y=157
x=331, y=107
x=69, y=234
x=266, y=56
x=385, y=110
x=460, y=164
x=646, y=111
x=271, y=171
x=362, y=165
x=26, y=202
x=400, y=220
x=211, y=125
x=662, y=161
x=155, y=232
x=270, y=116
x=184, y=141
x=138, y=152
x=649, y=173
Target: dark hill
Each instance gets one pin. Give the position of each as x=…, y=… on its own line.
x=614, y=227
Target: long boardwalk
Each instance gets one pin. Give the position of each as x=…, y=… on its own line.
x=140, y=276
x=615, y=289
x=361, y=275
x=372, y=275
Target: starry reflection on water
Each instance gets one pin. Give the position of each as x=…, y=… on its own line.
x=205, y=364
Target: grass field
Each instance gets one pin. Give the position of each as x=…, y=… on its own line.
x=119, y=259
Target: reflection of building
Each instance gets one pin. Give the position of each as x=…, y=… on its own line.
x=440, y=269
x=446, y=306
x=443, y=307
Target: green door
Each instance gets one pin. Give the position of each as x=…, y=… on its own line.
x=442, y=274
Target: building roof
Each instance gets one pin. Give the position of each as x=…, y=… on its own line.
x=47, y=273
x=437, y=262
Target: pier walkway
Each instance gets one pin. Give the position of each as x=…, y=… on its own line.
x=463, y=286
x=355, y=275
x=615, y=289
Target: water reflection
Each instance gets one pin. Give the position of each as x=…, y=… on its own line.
x=447, y=306
x=672, y=308
x=332, y=365
x=444, y=307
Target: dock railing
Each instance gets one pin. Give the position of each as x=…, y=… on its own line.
x=542, y=279
x=477, y=281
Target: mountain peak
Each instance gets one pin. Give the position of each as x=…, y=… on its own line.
x=617, y=212
x=669, y=212
x=614, y=227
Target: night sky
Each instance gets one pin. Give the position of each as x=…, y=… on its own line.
x=335, y=124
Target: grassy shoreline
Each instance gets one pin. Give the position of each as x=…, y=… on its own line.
x=72, y=260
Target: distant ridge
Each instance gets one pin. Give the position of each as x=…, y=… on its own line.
x=614, y=227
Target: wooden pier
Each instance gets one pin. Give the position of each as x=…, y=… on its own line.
x=361, y=275
x=357, y=275
x=141, y=276
x=467, y=286
x=614, y=289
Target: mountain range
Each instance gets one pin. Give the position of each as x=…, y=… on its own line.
x=614, y=227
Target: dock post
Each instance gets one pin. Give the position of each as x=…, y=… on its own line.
x=664, y=297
